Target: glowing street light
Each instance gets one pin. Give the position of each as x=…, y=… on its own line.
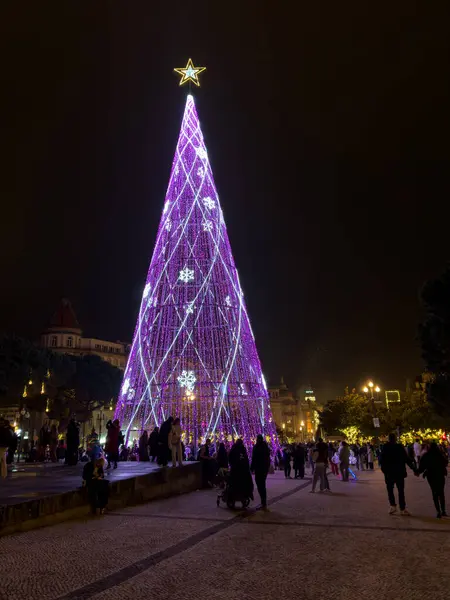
x=366, y=389
x=378, y=390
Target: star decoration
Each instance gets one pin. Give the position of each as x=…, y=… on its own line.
x=190, y=73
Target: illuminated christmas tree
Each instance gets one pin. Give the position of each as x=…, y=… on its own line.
x=193, y=353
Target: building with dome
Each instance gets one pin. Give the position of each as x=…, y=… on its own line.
x=64, y=334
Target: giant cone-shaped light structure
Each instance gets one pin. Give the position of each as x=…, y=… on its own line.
x=193, y=352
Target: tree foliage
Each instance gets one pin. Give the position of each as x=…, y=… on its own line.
x=356, y=410
x=61, y=383
x=435, y=341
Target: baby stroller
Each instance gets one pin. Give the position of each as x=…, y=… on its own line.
x=229, y=495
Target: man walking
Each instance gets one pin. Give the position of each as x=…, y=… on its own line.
x=393, y=461
x=260, y=467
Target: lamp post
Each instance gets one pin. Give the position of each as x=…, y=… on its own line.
x=371, y=387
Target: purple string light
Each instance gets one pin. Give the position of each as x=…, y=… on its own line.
x=193, y=353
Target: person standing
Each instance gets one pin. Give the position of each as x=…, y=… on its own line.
x=174, y=440
x=320, y=455
x=260, y=467
x=5, y=441
x=370, y=456
x=113, y=439
x=434, y=466
x=153, y=443
x=12, y=445
x=143, y=447
x=72, y=443
x=241, y=482
x=53, y=442
x=393, y=460
x=222, y=456
x=344, y=460
x=163, y=442
x=207, y=464
x=299, y=461
x=93, y=445
x=287, y=462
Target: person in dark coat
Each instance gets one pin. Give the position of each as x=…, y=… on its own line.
x=299, y=461
x=97, y=486
x=163, y=443
x=72, y=443
x=153, y=443
x=12, y=448
x=287, y=462
x=241, y=482
x=260, y=467
x=143, y=448
x=433, y=464
x=222, y=457
x=5, y=442
x=393, y=461
x=114, y=438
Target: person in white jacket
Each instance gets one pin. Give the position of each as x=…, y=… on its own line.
x=175, y=443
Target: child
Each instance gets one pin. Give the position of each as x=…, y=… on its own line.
x=97, y=487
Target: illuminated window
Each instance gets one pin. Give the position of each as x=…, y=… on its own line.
x=54, y=341
x=70, y=342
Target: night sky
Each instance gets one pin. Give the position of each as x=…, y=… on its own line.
x=328, y=133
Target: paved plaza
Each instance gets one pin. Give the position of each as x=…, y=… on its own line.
x=39, y=480
x=338, y=546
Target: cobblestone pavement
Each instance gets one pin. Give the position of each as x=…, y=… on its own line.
x=340, y=545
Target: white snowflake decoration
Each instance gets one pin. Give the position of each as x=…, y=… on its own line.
x=189, y=308
x=207, y=225
x=177, y=169
x=209, y=203
x=146, y=290
x=201, y=172
x=228, y=301
x=187, y=380
x=131, y=393
x=168, y=225
x=126, y=385
x=166, y=207
x=201, y=153
x=186, y=275
x=155, y=302
x=242, y=388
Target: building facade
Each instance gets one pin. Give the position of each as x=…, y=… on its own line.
x=296, y=418
x=64, y=334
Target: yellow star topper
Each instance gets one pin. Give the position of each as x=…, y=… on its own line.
x=190, y=73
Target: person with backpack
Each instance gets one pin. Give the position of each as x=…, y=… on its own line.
x=260, y=467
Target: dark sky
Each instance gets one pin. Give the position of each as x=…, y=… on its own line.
x=328, y=133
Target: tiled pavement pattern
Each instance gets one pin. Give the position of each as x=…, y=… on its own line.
x=338, y=546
